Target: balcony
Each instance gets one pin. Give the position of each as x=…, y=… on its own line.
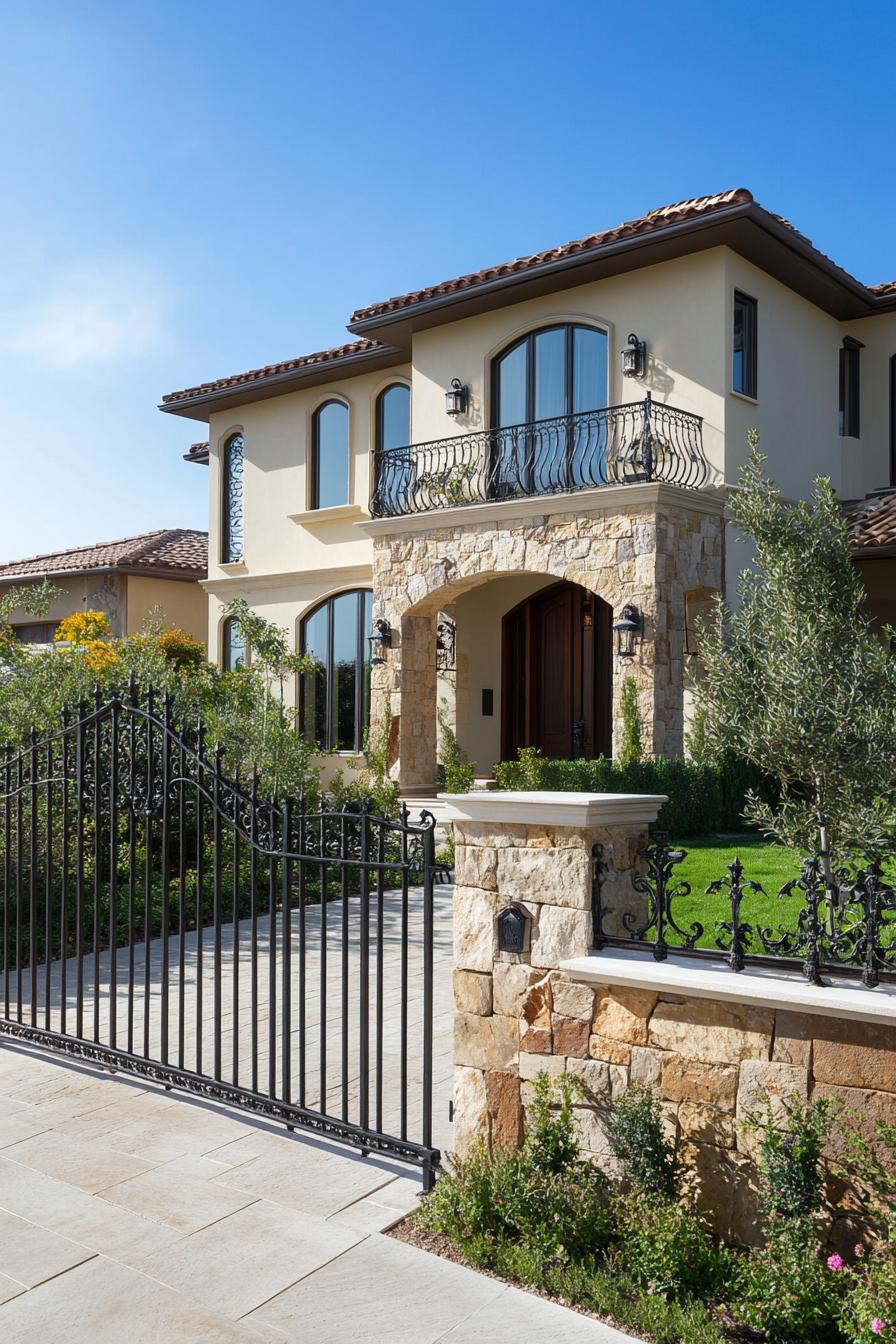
x=619, y=445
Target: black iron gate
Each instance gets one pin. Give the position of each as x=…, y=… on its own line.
x=166, y=921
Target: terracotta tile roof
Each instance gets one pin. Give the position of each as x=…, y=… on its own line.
x=871, y=522
x=888, y=287
x=352, y=349
x=654, y=219
x=197, y=452
x=169, y=548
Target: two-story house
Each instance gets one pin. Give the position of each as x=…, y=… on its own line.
x=509, y=490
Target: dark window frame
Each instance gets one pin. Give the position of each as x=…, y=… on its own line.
x=314, y=495
x=362, y=659
x=570, y=328
x=227, y=626
x=233, y=540
x=893, y=421
x=378, y=417
x=850, y=385
x=750, y=347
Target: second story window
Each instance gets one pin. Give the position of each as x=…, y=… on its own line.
x=393, y=418
x=232, y=500
x=744, y=360
x=233, y=645
x=329, y=456
x=849, y=388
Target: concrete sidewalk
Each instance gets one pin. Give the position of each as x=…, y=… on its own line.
x=128, y=1213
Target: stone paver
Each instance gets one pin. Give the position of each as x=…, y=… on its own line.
x=132, y=1213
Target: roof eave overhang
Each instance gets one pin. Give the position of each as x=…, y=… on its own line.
x=145, y=571
x=197, y=457
x=746, y=228
x=204, y=404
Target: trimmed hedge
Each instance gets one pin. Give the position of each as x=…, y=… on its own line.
x=703, y=798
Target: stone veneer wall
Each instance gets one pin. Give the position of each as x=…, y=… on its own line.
x=710, y=1062
x=648, y=545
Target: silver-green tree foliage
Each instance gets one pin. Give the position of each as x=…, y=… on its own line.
x=796, y=680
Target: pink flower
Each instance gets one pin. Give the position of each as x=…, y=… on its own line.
x=835, y=1262
x=878, y=1326
x=859, y=1249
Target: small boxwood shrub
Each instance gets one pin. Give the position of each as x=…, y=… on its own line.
x=704, y=797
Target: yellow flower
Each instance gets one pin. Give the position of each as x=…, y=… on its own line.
x=83, y=628
x=101, y=656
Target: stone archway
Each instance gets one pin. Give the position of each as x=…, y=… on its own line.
x=644, y=545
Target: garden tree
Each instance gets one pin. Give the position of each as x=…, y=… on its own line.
x=795, y=680
x=631, y=749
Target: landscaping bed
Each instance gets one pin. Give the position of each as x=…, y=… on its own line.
x=627, y=1245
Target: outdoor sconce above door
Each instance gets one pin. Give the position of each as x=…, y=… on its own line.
x=380, y=638
x=634, y=358
x=456, y=398
x=628, y=628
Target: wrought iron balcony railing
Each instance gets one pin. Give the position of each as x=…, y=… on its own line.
x=618, y=445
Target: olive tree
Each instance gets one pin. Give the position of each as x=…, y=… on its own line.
x=795, y=679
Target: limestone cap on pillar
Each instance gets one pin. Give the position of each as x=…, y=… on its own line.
x=547, y=808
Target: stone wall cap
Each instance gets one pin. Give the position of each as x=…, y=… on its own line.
x=543, y=808
x=711, y=979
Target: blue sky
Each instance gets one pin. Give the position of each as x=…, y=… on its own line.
x=193, y=189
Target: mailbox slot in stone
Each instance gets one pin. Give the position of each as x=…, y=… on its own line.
x=513, y=925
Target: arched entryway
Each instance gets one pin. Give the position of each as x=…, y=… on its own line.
x=556, y=674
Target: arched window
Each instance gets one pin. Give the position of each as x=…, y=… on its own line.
x=393, y=432
x=233, y=645
x=334, y=699
x=552, y=374
x=329, y=456
x=232, y=500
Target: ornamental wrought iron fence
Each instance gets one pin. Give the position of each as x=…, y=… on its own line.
x=832, y=922
x=164, y=920
x=617, y=445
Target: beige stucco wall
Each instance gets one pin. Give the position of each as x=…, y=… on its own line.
x=80, y=592
x=277, y=434
x=181, y=603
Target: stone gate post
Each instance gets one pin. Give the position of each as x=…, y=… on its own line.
x=515, y=1013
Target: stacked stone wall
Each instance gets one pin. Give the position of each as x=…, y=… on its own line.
x=712, y=1063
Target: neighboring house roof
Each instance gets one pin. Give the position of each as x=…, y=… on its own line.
x=171, y=551
x=729, y=218
x=871, y=524
x=197, y=452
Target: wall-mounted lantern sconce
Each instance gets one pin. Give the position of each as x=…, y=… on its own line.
x=628, y=628
x=634, y=358
x=456, y=398
x=513, y=926
x=380, y=639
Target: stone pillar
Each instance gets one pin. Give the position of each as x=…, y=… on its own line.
x=515, y=1013
x=417, y=738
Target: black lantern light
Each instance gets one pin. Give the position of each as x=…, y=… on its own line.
x=456, y=398
x=634, y=358
x=380, y=638
x=628, y=628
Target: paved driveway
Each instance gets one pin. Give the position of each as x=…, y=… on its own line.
x=128, y=1213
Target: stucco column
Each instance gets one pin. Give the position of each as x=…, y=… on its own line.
x=515, y=1013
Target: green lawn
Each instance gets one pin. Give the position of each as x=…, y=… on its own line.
x=769, y=865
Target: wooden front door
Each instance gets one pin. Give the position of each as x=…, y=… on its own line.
x=556, y=674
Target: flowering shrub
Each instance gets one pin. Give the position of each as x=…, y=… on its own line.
x=83, y=628
x=181, y=649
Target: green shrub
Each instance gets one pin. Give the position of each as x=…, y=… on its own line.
x=666, y=1248
x=787, y=1289
x=791, y=1162
x=704, y=797
x=869, y=1313
x=459, y=770
x=637, y=1140
x=632, y=748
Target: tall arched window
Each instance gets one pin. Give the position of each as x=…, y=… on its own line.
x=329, y=456
x=552, y=374
x=233, y=645
x=334, y=698
x=232, y=500
x=393, y=432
